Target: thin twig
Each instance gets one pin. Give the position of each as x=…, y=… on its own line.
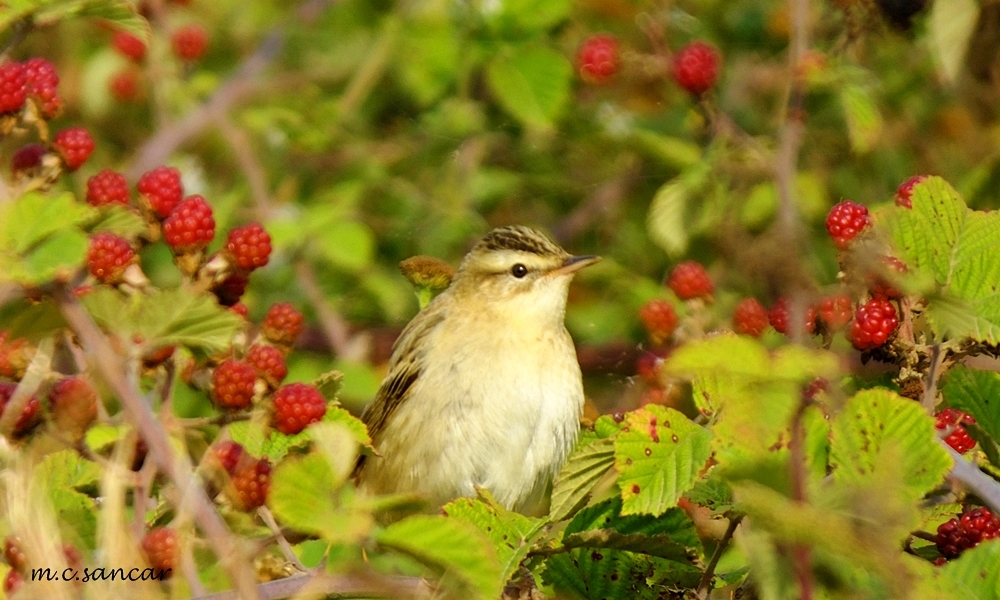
x=790, y=134
x=333, y=325
x=113, y=371
x=223, y=419
x=971, y=477
x=286, y=548
x=800, y=552
x=933, y=375
x=704, y=586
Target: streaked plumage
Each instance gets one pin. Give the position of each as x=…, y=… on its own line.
x=484, y=387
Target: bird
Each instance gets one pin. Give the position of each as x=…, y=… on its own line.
x=484, y=389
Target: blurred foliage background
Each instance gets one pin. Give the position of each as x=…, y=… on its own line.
x=362, y=132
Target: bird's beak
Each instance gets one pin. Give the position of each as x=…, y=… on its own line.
x=574, y=264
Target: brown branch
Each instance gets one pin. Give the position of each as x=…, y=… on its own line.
x=704, y=586
x=933, y=375
x=113, y=371
x=790, y=134
x=969, y=475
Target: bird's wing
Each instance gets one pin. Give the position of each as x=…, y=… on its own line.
x=404, y=370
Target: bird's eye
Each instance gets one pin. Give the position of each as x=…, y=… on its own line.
x=519, y=270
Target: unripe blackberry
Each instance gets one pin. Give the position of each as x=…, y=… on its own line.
x=73, y=406
x=161, y=189
x=189, y=42
x=239, y=308
x=968, y=531
x=74, y=145
x=696, y=67
x=107, y=187
x=232, y=384
x=30, y=415
x=659, y=319
x=228, y=456
x=750, y=317
x=14, y=553
x=43, y=86
x=129, y=45
x=873, y=323
x=190, y=226
x=269, y=363
x=160, y=545
x=835, y=312
x=27, y=158
x=881, y=287
x=13, y=87
x=648, y=366
x=780, y=314
x=954, y=419
x=249, y=246
x=904, y=193
x=231, y=289
x=108, y=257
x=124, y=86
x=597, y=59
x=250, y=484
x=296, y=406
x=845, y=221
x=15, y=355
x=12, y=583
x=690, y=280
x=282, y=324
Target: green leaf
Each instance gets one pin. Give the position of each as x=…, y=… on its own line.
x=672, y=151
x=531, y=83
x=347, y=245
x=532, y=14
x=599, y=569
x=120, y=220
x=578, y=477
x=864, y=123
x=304, y=496
x=958, y=247
x=974, y=575
x=511, y=533
x=57, y=257
x=28, y=220
x=66, y=470
x=877, y=421
x=977, y=393
x=950, y=26
x=329, y=384
x=339, y=415
x=457, y=550
x=668, y=221
x=428, y=59
x=659, y=454
x=167, y=317
x=32, y=320
x=712, y=492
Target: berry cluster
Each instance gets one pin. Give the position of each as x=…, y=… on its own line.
x=873, y=323
x=968, y=531
x=845, y=221
x=690, y=280
x=660, y=320
x=597, y=59
x=696, y=67
x=954, y=420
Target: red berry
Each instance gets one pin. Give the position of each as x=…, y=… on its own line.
x=296, y=406
x=690, y=280
x=108, y=257
x=879, y=286
x=750, y=317
x=27, y=158
x=73, y=406
x=250, y=484
x=968, y=531
x=232, y=384
x=190, y=226
x=189, y=42
x=904, y=193
x=161, y=546
x=29, y=416
x=162, y=189
x=13, y=87
x=597, y=59
x=107, y=187
x=12, y=582
x=845, y=221
x=14, y=356
x=659, y=318
x=268, y=362
x=836, y=312
x=815, y=387
x=282, y=324
x=43, y=86
x=874, y=322
x=129, y=45
x=228, y=455
x=249, y=246
x=124, y=86
x=780, y=313
x=696, y=67
x=14, y=553
x=74, y=145
x=231, y=289
x=959, y=438
x=648, y=366
x=241, y=309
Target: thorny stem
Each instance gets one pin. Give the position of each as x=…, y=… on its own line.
x=704, y=586
x=109, y=364
x=971, y=477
